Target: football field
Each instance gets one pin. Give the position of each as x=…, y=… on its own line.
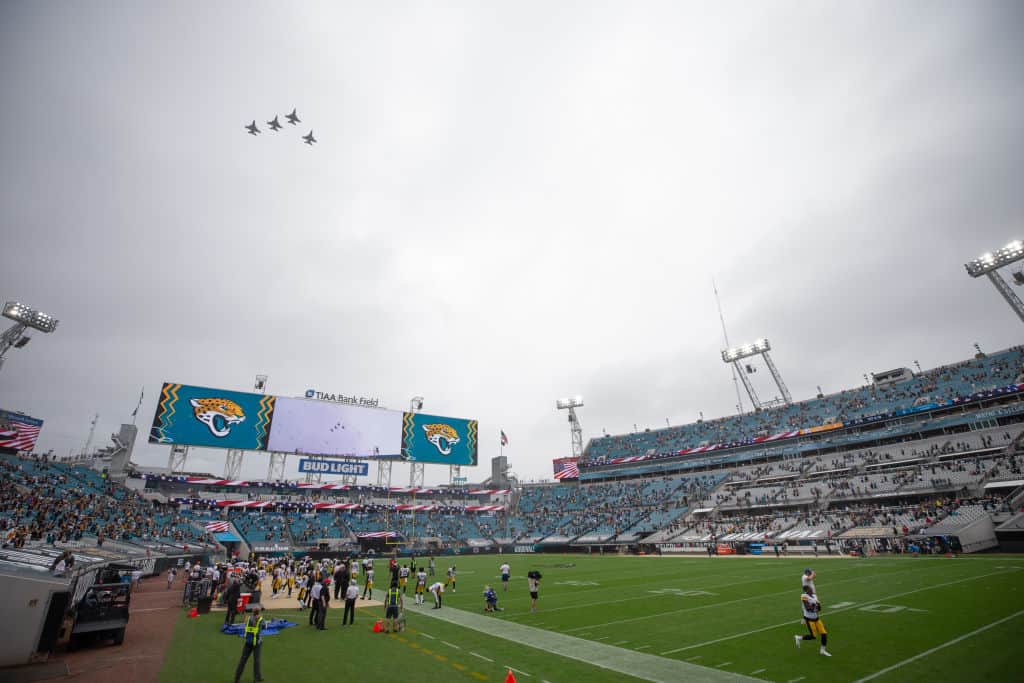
x=616, y=618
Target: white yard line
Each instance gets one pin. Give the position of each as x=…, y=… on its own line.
x=620, y=660
x=445, y=642
x=642, y=647
x=584, y=605
x=723, y=664
x=516, y=670
x=427, y=635
x=728, y=602
x=757, y=671
x=842, y=609
x=486, y=659
x=796, y=680
x=935, y=649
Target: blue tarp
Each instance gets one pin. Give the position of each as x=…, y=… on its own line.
x=271, y=627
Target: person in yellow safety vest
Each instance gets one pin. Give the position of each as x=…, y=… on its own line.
x=392, y=606
x=253, y=643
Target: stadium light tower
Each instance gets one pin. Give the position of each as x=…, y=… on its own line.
x=760, y=347
x=988, y=264
x=24, y=317
x=417, y=470
x=575, y=430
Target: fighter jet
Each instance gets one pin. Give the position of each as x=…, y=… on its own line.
x=274, y=125
x=293, y=118
x=309, y=138
x=253, y=130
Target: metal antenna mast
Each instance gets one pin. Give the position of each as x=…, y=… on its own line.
x=725, y=336
x=92, y=433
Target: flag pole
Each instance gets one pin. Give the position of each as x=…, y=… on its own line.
x=135, y=412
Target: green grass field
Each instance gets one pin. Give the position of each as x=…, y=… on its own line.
x=660, y=618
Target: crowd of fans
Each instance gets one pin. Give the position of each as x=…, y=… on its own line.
x=45, y=501
x=938, y=386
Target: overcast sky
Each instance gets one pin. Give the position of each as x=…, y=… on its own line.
x=508, y=202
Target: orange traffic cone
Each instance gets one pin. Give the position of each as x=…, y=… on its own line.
x=193, y=613
x=510, y=677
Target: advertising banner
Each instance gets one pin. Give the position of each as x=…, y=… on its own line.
x=217, y=418
x=323, y=428
x=18, y=431
x=198, y=416
x=359, y=469
x=443, y=440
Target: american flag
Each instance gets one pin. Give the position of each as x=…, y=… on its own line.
x=504, y=439
x=18, y=431
x=217, y=527
x=377, y=534
x=566, y=468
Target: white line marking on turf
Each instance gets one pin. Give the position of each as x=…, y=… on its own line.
x=794, y=680
x=621, y=642
x=757, y=672
x=690, y=659
x=642, y=665
x=427, y=635
x=723, y=664
x=670, y=579
x=935, y=649
x=486, y=659
x=642, y=647
x=445, y=642
x=516, y=670
x=727, y=602
x=794, y=621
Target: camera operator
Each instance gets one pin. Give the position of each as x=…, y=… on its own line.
x=533, y=578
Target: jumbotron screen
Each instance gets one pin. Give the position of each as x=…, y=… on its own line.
x=219, y=418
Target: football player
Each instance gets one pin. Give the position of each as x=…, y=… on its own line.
x=812, y=618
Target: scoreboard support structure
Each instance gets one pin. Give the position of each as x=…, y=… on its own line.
x=233, y=464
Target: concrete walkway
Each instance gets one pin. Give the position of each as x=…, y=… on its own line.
x=621, y=660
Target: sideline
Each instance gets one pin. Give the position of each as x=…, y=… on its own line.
x=617, y=659
x=935, y=649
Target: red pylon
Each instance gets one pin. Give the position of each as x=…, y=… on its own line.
x=510, y=677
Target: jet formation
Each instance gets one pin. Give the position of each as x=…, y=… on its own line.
x=275, y=125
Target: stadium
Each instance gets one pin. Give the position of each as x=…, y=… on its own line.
x=266, y=530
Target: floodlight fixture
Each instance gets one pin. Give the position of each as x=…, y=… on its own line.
x=759, y=347
x=990, y=261
x=569, y=403
x=740, y=352
x=575, y=430
x=29, y=317
x=988, y=264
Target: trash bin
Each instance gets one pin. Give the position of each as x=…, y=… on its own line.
x=203, y=604
x=243, y=601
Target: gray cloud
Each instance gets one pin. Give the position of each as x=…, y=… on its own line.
x=507, y=203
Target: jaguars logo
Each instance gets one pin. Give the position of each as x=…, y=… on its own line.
x=442, y=436
x=219, y=414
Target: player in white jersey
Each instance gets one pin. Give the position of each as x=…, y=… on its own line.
x=807, y=580
x=437, y=588
x=403, y=577
x=421, y=585
x=506, y=572
x=812, y=618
